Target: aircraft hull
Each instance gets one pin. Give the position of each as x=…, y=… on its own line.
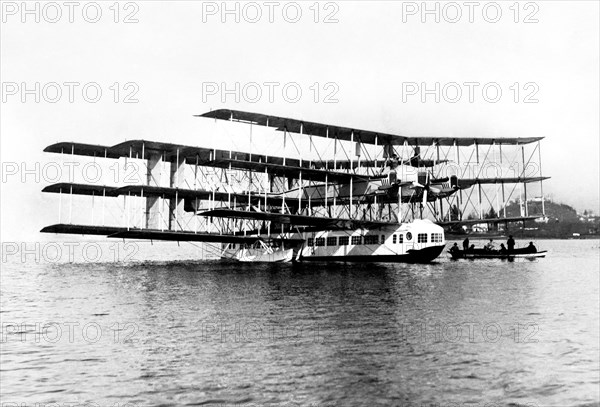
x=425, y=255
x=277, y=256
x=259, y=255
x=420, y=241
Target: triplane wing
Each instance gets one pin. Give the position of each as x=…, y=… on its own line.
x=149, y=234
x=265, y=207
x=298, y=220
x=352, y=134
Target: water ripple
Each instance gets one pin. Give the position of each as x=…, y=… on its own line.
x=211, y=333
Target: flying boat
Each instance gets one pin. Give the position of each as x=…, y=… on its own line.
x=367, y=196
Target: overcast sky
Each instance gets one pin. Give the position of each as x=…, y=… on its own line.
x=365, y=60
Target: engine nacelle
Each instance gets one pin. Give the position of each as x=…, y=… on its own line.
x=454, y=182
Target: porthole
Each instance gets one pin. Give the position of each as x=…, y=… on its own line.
x=408, y=236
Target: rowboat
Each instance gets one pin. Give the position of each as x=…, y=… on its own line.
x=523, y=253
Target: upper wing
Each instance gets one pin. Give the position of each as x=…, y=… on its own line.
x=348, y=134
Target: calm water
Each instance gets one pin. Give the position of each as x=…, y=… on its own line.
x=212, y=333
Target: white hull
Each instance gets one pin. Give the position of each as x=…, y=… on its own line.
x=260, y=255
x=420, y=241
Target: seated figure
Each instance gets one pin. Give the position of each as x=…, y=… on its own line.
x=531, y=248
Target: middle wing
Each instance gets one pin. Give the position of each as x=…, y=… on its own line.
x=464, y=183
x=491, y=220
x=298, y=220
x=278, y=166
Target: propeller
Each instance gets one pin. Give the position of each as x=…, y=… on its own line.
x=425, y=188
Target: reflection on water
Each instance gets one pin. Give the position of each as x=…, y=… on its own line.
x=172, y=333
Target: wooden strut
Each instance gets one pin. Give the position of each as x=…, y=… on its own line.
x=524, y=183
x=541, y=181
x=71, y=179
x=368, y=206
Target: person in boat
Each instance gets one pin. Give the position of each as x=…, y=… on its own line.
x=531, y=248
x=454, y=249
x=510, y=243
x=466, y=244
x=503, y=249
x=472, y=248
x=490, y=246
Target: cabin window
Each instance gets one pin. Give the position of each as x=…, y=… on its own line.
x=422, y=238
x=310, y=242
x=344, y=240
x=320, y=241
x=371, y=239
x=437, y=238
x=400, y=238
x=332, y=241
x=356, y=240
x=382, y=239
x=394, y=239
x=233, y=246
x=408, y=236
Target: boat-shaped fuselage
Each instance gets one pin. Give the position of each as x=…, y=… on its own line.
x=420, y=241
